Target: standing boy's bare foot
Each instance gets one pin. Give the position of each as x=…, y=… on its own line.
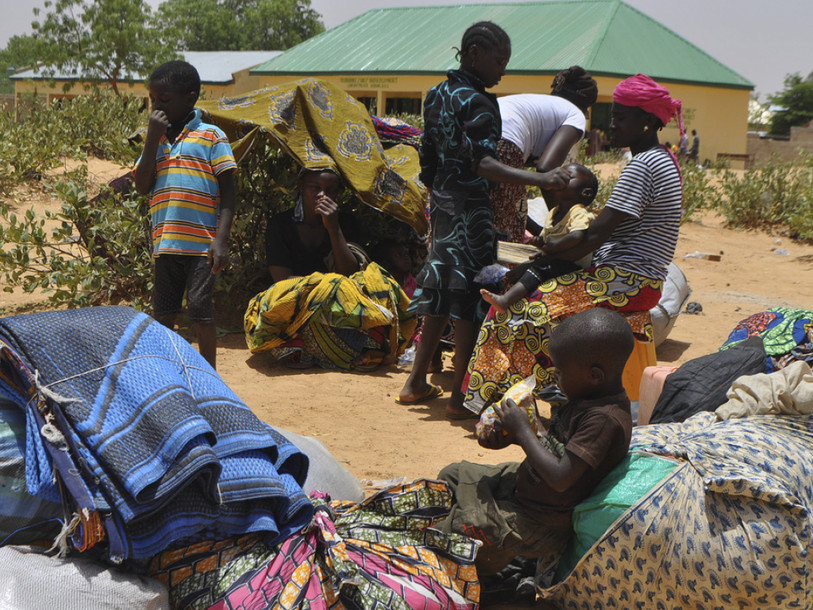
x=496, y=300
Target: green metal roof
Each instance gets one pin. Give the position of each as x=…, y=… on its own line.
x=607, y=37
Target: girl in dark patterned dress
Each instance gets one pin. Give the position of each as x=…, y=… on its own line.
x=459, y=163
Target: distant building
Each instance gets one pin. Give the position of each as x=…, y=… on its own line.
x=221, y=73
x=389, y=58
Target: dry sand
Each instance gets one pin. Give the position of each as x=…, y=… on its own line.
x=355, y=416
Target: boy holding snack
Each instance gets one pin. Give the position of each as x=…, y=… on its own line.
x=524, y=509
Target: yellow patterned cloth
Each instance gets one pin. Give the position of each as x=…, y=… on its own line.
x=321, y=126
x=341, y=318
x=513, y=345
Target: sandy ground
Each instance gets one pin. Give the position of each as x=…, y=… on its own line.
x=354, y=415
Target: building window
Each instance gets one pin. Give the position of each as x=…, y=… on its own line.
x=370, y=103
x=403, y=105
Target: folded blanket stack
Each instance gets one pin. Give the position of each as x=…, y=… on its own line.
x=127, y=422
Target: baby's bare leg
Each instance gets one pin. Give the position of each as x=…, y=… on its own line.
x=497, y=301
x=501, y=302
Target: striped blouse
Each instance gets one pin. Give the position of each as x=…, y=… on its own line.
x=650, y=193
x=185, y=198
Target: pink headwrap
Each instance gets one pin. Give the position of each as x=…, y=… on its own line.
x=643, y=92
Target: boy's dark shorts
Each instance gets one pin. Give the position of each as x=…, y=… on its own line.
x=176, y=274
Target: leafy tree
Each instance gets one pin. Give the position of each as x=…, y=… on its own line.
x=276, y=24
x=110, y=40
x=238, y=25
x=199, y=25
x=796, y=101
x=20, y=52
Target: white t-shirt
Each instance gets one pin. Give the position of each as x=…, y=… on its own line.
x=529, y=120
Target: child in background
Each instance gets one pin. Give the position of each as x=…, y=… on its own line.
x=524, y=509
x=565, y=227
x=187, y=168
x=459, y=163
x=394, y=257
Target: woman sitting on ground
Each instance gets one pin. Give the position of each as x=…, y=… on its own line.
x=633, y=241
x=312, y=236
x=539, y=130
x=326, y=307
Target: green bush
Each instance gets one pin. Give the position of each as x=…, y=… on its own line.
x=98, y=251
x=777, y=194
x=85, y=125
x=698, y=193
x=88, y=253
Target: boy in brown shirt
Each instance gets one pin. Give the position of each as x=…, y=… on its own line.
x=524, y=509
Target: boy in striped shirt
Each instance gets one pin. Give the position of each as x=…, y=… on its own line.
x=187, y=168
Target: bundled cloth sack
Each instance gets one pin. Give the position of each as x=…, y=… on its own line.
x=701, y=384
x=726, y=525
x=786, y=333
x=675, y=293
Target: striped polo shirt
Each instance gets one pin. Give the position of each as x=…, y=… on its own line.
x=650, y=193
x=185, y=198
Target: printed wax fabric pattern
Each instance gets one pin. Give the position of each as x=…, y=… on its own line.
x=786, y=333
x=380, y=554
x=394, y=131
x=730, y=527
x=321, y=126
x=513, y=345
x=332, y=320
x=510, y=201
x=138, y=436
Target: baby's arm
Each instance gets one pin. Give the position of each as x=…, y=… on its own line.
x=558, y=473
x=570, y=240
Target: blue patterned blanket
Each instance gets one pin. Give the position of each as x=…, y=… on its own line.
x=144, y=433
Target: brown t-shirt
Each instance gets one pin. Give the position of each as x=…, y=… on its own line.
x=596, y=431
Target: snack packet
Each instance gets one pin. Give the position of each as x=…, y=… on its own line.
x=521, y=393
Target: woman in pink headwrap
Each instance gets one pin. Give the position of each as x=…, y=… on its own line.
x=633, y=241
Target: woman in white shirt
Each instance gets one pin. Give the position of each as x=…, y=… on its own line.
x=539, y=129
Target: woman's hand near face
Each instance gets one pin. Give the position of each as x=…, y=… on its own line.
x=328, y=210
x=554, y=180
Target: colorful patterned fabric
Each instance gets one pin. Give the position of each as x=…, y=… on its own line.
x=185, y=198
x=462, y=244
x=320, y=126
x=393, y=131
x=510, y=201
x=377, y=555
x=127, y=422
x=782, y=329
x=513, y=345
x=729, y=528
x=333, y=320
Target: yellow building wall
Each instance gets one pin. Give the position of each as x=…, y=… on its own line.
x=243, y=83
x=719, y=115
x=61, y=89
